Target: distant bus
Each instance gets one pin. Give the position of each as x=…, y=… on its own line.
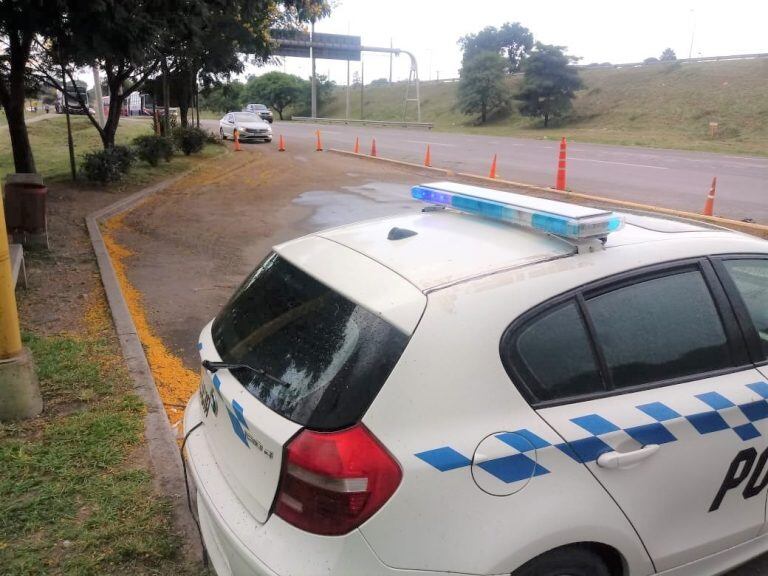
x=71, y=102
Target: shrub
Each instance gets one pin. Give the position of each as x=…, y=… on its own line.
x=189, y=140
x=151, y=148
x=107, y=165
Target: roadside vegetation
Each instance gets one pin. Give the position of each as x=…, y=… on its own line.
x=48, y=138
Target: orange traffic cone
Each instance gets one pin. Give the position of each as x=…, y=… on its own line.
x=281, y=146
x=319, y=146
x=492, y=173
x=357, y=145
x=709, y=205
x=373, y=147
x=427, y=158
x=560, y=185
x=237, y=140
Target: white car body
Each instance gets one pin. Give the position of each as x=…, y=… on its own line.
x=490, y=478
x=249, y=126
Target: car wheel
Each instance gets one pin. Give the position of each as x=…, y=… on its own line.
x=223, y=136
x=268, y=140
x=567, y=561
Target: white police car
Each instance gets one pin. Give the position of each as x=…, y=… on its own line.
x=447, y=393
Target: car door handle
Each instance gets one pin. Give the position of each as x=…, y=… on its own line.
x=623, y=460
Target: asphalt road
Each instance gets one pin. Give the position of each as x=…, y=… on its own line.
x=670, y=178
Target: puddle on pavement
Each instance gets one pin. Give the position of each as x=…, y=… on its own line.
x=371, y=200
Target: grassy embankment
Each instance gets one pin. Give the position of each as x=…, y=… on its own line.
x=665, y=106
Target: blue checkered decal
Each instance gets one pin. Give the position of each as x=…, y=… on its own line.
x=516, y=467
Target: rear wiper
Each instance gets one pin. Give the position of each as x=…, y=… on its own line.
x=212, y=367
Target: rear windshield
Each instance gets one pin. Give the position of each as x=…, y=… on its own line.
x=247, y=117
x=332, y=355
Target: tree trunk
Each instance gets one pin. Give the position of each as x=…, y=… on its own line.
x=279, y=112
x=116, y=100
x=546, y=119
x=12, y=99
x=23, y=158
x=483, y=111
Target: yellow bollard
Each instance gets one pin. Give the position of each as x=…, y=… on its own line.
x=10, y=336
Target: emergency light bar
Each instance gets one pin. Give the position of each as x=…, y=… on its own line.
x=567, y=220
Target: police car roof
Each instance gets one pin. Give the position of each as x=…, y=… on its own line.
x=451, y=247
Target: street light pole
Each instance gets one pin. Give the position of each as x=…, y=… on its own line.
x=693, y=31
x=312, y=58
x=97, y=95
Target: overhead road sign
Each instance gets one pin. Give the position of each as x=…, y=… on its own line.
x=325, y=46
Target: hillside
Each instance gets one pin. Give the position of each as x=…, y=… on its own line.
x=667, y=106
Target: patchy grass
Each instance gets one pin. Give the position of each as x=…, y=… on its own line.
x=664, y=106
x=75, y=493
x=48, y=138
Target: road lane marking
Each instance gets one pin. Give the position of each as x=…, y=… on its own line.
x=619, y=163
x=431, y=143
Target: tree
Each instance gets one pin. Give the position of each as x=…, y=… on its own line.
x=549, y=84
x=274, y=89
x=668, y=55
x=21, y=21
x=482, y=89
x=513, y=41
x=224, y=97
x=651, y=60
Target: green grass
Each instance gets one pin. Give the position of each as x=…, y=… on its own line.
x=48, y=138
x=74, y=498
x=667, y=106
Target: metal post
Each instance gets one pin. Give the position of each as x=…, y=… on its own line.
x=390, y=61
x=97, y=95
x=312, y=58
x=362, y=86
x=346, y=113
x=10, y=336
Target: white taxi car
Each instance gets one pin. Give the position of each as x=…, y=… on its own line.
x=507, y=386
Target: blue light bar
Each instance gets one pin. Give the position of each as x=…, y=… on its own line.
x=560, y=218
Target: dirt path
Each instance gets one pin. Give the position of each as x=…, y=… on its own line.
x=195, y=242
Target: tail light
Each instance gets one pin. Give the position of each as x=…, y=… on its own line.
x=332, y=482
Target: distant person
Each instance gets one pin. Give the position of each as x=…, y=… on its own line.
x=47, y=108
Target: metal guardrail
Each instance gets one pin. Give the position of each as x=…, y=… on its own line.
x=395, y=123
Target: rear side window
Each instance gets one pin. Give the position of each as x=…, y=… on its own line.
x=555, y=355
x=659, y=329
x=751, y=280
x=332, y=355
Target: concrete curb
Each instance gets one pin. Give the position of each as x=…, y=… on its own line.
x=164, y=456
x=746, y=227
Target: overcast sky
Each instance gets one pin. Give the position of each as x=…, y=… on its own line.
x=597, y=31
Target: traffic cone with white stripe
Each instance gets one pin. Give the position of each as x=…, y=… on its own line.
x=281, y=146
x=709, y=205
x=319, y=146
x=560, y=184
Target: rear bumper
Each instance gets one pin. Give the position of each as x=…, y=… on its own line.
x=238, y=545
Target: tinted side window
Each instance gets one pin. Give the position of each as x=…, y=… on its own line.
x=659, y=329
x=751, y=279
x=555, y=357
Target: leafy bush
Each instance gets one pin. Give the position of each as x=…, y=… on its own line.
x=107, y=165
x=189, y=140
x=151, y=148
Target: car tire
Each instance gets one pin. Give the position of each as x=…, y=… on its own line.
x=268, y=140
x=223, y=136
x=567, y=561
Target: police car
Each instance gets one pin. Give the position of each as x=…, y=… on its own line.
x=497, y=384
